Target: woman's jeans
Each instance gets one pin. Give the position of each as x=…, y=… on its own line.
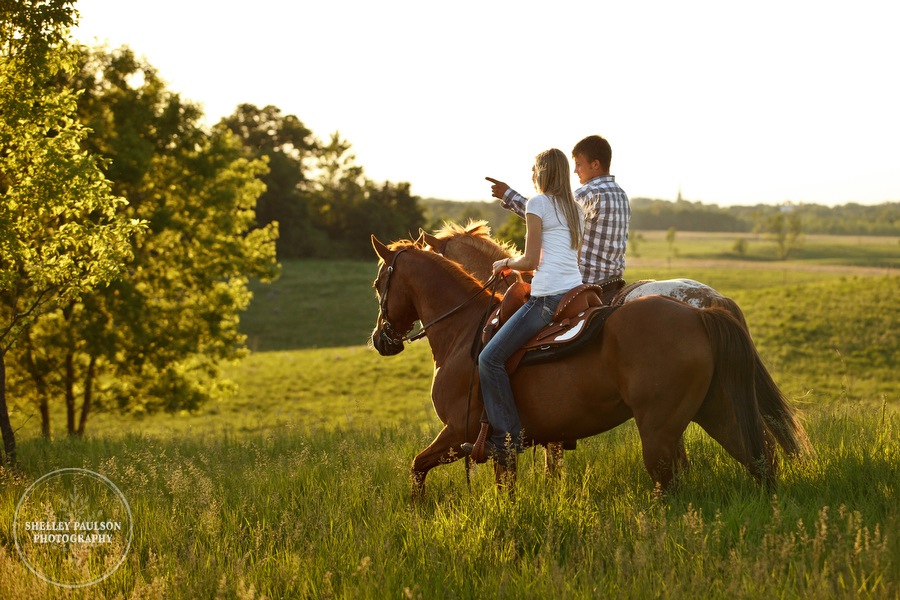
x=499, y=402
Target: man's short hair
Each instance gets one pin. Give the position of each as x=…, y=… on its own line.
x=594, y=147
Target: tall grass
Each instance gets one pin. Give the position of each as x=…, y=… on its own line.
x=301, y=514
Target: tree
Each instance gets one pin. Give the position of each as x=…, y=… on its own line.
x=290, y=149
x=635, y=241
x=157, y=335
x=671, y=233
x=388, y=210
x=349, y=208
x=61, y=231
x=785, y=227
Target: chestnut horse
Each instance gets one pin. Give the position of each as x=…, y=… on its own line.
x=475, y=250
x=661, y=362
x=473, y=247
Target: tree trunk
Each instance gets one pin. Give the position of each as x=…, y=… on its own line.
x=44, y=406
x=88, y=394
x=70, y=392
x=40, y=384
x=9, y=436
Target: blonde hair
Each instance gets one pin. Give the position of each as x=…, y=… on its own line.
x=551, y=177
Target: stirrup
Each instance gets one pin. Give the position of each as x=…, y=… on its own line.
x=477, y=451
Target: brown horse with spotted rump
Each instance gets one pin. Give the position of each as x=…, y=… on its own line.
x=658, y=361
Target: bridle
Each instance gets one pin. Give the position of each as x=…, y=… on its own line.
x=389, y=336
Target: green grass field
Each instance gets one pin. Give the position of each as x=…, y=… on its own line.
x=296, y=485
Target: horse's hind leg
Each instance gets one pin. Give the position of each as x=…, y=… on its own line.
x=553, y=458
x=681, y=459
x=662, y=445
x=720, y=423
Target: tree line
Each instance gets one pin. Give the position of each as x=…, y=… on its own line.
x=846, y=219
x=129, y=229
x=661, y=215
x=320, y=198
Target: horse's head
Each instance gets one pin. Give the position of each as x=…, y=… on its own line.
x=471, y=246
x=432, y=241
x=390, y=291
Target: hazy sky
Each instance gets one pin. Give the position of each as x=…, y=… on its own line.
x=763, y=101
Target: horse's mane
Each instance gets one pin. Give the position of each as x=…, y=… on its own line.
x=476, y=234
x=451, y=267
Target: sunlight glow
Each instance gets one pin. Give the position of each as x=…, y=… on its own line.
x=768, y=102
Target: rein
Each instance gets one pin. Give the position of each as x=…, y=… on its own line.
x=390, y=336
x=493, y=281
x=388, y=330
x=421, y=333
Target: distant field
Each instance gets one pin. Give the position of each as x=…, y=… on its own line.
x=874, y=254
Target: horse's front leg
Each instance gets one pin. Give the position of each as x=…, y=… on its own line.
x=505, y=474
x=444, y=449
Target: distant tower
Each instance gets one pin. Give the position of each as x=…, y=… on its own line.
x=679, y=199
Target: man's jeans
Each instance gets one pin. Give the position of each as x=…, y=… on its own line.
x=495, y=387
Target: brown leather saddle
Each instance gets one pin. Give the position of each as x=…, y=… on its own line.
x=579, y=316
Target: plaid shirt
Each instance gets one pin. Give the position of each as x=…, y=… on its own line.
x=607, y=214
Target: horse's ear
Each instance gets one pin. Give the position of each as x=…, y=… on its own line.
x=380, y=249
x=420, y=241
x=436, y=244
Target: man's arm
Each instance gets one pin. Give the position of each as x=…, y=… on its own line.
x=510, y=199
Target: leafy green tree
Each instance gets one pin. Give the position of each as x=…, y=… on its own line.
x=349, y=208
x=290, y=149
x=154, y=339
x=671, y=233
x=338, y=184
x=785, y=227
x=389, y=210
x=317, y=192
x=635, y=241
x=63, y=233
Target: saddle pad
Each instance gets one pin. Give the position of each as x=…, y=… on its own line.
x=548, y=345
x=623, y=292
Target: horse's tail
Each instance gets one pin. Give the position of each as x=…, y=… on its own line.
x=780, y=418
x=731, y=306
x=734, y=378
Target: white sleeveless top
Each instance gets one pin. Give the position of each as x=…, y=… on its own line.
x=558, y=270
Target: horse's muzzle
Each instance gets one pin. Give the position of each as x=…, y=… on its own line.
x=385, y=345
